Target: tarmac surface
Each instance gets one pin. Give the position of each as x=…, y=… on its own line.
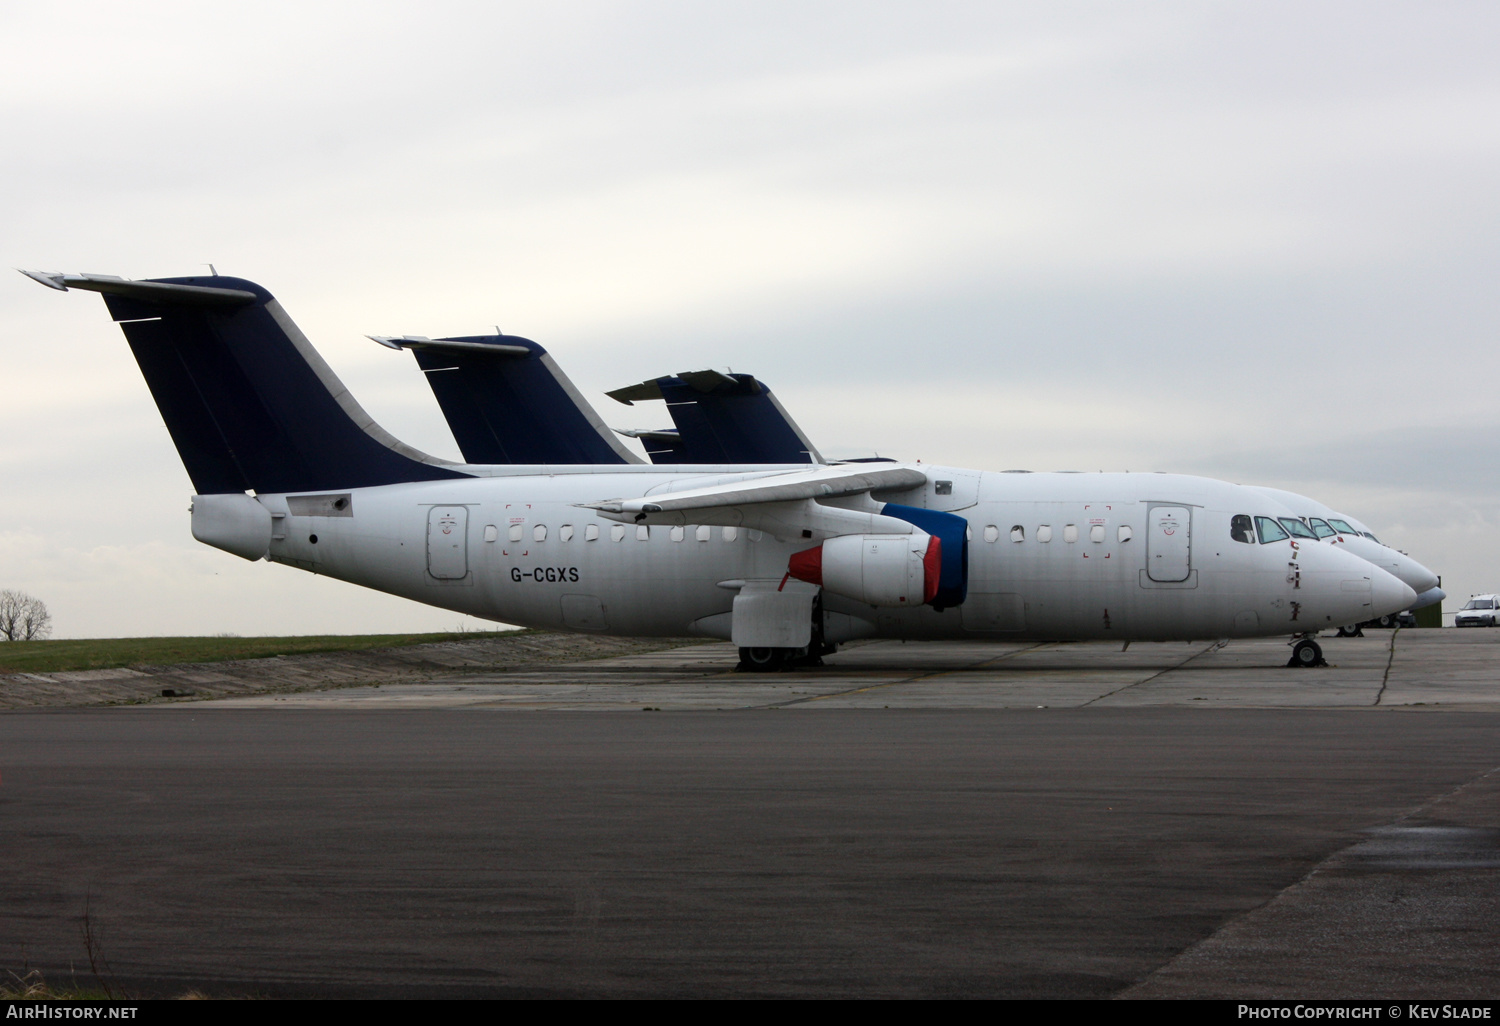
x=986, y=819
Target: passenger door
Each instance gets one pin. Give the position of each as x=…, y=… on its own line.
x=447, y=542
x=1169, y=543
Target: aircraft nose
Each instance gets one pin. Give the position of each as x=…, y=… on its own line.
x=1418, y=576
x=1388, y=594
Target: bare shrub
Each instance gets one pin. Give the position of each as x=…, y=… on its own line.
x=23, y=618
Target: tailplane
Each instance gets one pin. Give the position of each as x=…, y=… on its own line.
x=248, y=401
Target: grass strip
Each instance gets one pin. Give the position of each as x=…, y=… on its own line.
x=106, y=653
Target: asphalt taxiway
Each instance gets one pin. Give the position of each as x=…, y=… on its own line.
x=910, y=820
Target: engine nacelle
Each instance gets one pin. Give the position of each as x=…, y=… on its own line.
x=878, y=569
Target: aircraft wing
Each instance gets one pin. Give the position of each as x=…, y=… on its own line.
x=798, y=486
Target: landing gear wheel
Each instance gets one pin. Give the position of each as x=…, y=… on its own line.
x=767, y=660
x=1307, y=653
x=1387, y=621
x=1351, y=631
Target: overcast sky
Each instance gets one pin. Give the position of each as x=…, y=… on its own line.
x=1257, y=241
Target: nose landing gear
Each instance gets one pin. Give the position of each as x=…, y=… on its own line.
x=1307, y=653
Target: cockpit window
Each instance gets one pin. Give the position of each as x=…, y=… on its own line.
x=1270, y=530
x=1320, y=529
x=1296, y=528
x=1341, y=526
x=1374, y=539
x=1241, y=530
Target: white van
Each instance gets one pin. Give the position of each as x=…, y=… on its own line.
x=1479, y=611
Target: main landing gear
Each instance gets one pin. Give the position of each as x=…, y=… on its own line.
x=1307, y=653
x=771, y=660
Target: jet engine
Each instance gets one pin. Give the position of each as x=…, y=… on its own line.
x=878, y=569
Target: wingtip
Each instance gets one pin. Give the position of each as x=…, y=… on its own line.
x=51, y=279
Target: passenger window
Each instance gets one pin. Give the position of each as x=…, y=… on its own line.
x=1297, y=529
x=754, y=534
x=991, y=533
x=616, y=532
x=565, y=532
x=1241, y=529
x=968, y=532
x=1018, y=533
x=1044, y=533
x=1070, y=533
x=539, y=533
x=1125, y=533
x=1096, y=534
x=1270, y=530
x=730, y=533
x=591, y=533
x=678, y=534
x=704, y=533
x=491, y=533
x=643, y=533
x=515, y=532
x=1321, y=529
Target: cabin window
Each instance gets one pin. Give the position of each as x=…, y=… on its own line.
x=591, y=533
x=1125, y=533
x=968, y=533
x=704, y=533
x=678, y=534
x=1320, y=528
x=1044, y=533
x=1270, y=530
x=1341, y=526
x=491, y=533
x=1070, y=533
x=991, y=533
x=616, y=532
x=1018, y=533
x=730, y=533
x=1241, y=529
x=754, y=534
x=1296, y=528
x=539, y=533
x=565, y=532
x=515, y=532
x=643, y=533
x=1096, y=534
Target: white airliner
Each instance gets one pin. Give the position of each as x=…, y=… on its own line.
x=784, y=561
x=1323, y=523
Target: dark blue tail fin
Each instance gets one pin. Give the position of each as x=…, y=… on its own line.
x=506, y=401
x=723, y=418
x=249, y=403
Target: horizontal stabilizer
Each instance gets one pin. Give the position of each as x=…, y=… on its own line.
x=154, y=291
x=451, y=344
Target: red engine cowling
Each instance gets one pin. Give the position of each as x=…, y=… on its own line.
x=878, y=569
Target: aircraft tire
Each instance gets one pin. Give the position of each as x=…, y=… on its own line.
x=1306, y=654
x=766, y=660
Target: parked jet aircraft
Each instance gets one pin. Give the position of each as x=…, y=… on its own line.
x=1334, y=528
x=785, y=561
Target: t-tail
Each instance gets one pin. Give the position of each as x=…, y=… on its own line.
x=720, y=418
x=507, y=401
x=248, y=401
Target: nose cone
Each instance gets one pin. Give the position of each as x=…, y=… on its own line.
x=1430, y=597
x=1388, y=594
x=1337, y=587
x=1402, y=567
